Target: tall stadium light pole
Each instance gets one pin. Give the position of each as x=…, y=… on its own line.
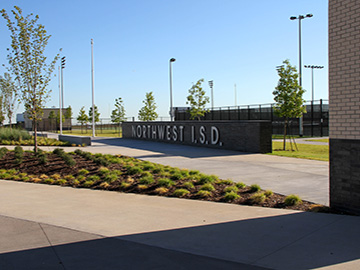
x=60, y=101
x=171, y=99
x=211, y=84
x=312, y=78
x=92, y=88
x=300, y=17
x=63, y=59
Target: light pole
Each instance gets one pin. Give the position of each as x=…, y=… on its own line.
x=300, y=17
x=211, y=84
x=171, y=99
x=63, y=59
x=312, y=78
x=92, y=87
x=60, y=98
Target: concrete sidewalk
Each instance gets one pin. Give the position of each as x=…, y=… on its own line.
x=52, y=227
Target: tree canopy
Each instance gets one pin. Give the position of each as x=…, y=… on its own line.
x=118, y=114
x=197, y=100
x=148, y=111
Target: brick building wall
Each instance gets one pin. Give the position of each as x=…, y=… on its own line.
x=344, y=101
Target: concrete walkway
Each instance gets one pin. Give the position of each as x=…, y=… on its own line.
x=52, y=227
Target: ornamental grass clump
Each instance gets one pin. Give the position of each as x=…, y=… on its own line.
x=207, y=187
x=19, y=154
x=181, y=192
x=240, y=185
x=231, y=196
x=254, y=188
x=161, y=190
x=134, y=170
x=110, y=178
x=204, y=179
x=204, y=193
x=292, y=200
x=146, y=180
x=3, y=151
x=165, y=182
x=224, y=182
x=188, y=185
x=83, y=172
x=41, y=156
x=258, y=198
x=231, y=189
x=268, y=193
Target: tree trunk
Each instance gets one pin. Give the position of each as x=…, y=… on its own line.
x=284, y=142
x=35, y=136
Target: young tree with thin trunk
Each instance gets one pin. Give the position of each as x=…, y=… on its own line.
x=148, y=112
x=96, y=114
x=118, y=114
x=82, y=118
x=288, y=95
x=10, y=95
x=28, y=63
x=197, y=100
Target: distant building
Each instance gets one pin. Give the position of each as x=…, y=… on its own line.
x=46, y=124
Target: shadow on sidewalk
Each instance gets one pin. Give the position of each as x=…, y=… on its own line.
x=167, y=149
x=293, y=241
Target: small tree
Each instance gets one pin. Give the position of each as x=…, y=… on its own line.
x=2, y=113
x=28, y=63
x=68, y=114
x=148, y=112
x=52, y=117
x=118, y=114
x=10, y=95
x=197, y=100
x=288, y=95
x=82, y=118
x=96, y=114
x=58, y=118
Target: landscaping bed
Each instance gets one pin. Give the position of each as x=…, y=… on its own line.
x=125, y=174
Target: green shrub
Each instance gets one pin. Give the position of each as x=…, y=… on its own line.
x=146, y=174
x=103, y=170
x=60, y=182
x=255, y=188
x=3, y=151
x=12, y=171
x=158, y=170
x=185, y=173
x=268, y=193
x=231, y=196
x=59, y=152
x=14, y=134
x=224, y=182
x=207, y=187
x=180, y=192
x=19, y=154
x=88, y=184
x=240, y=185
x=146, y=180
x=206, y=179
x=93, y=178
x=176, y=176
x=231, y=189
x=69, y=160
x=204, y=193
x=148, y=167
x=124, y=185
x=165, y=182
x=258, y=198
x=292, y=200
x=188, y=185
x=83, y=172
x=48, y=181
x=110, y=178
x=69, y=177
x=193, y=172
x=134, y=170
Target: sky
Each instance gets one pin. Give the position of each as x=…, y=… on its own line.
x=228, y=41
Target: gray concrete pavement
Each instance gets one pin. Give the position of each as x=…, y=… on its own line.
x=52, y=227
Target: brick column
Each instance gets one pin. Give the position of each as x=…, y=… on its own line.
x=344, y=101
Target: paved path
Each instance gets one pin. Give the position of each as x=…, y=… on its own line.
x=52, y=227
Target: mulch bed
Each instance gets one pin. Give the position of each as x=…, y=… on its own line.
x=56, y=165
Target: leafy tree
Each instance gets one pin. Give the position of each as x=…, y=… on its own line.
x=10, y=95
x=51, y=117
x=82, y=118
x=58, y=118
x=197, y=100
x=288, y=95
x=118, y=114
x=68, y=113
x=28, y=63
x=148, y=112
x=96, y=114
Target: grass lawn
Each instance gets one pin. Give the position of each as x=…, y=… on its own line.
x=306, y=151
x=280, y=137
x=319, y=140
x=98, y=132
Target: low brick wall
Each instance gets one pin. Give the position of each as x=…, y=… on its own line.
x=245, y=136
x=79, y=140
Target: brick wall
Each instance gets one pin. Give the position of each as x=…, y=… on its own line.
x=344, y=102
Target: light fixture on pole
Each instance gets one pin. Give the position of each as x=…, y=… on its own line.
x=312, y=78
x=211, y=84
x=92, y=87
x=63, y=59
x=60, y=98
x=171, y=99
x=300, y=17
